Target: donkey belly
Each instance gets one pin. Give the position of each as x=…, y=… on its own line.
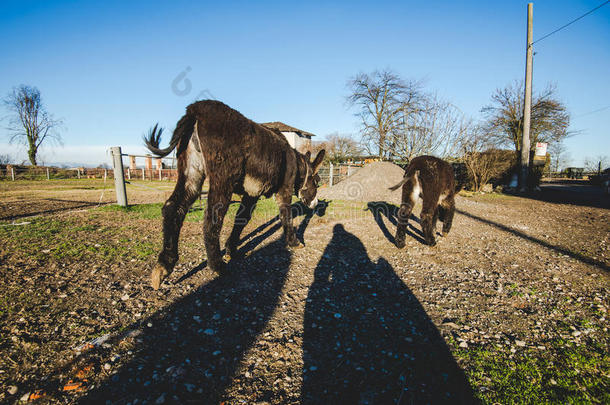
x=253, y=186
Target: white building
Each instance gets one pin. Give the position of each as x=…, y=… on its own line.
x=297, y=138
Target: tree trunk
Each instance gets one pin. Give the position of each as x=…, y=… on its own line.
x=32, y=154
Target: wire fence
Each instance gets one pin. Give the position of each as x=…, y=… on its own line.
x=330, y=174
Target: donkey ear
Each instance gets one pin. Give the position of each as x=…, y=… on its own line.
x=318, y=160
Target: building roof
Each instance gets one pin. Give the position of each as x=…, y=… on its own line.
x=285, y=128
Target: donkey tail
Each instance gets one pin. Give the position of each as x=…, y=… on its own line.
x=408, y=174
x=184, y=130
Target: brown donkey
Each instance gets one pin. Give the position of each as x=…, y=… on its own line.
x=431, y=179
x=239, y=156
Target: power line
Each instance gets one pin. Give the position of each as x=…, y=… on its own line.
x=593, y=112
x=571, y=22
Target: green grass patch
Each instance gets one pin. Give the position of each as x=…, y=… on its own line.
x=564, y=374
x=67, y=240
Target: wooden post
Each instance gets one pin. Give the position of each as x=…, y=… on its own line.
x=330, y=175
x=78, y=173
x=48, y=177
x=527, y=105
x=143, y=177
x=132, y=162
x=12, y=173
x=119, y=180
x=105, y=174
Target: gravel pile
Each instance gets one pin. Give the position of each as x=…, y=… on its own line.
x=370, y=183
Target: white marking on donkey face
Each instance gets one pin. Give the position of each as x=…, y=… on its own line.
x=253, y=186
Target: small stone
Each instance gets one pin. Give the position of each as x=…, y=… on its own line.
x=197, y=318
x=125, y=297
x=337, y=315
x=209, y=331
x=149, y=324
x=12, y=390
x=160, y=400
x=552, y=381
x=463, y=345
x=576, y=333
x=25, y=397
x=107, y=366
x=520, y=343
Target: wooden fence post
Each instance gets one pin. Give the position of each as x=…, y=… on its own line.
x=330, y=175
x=143, y=178
x=48, y=177
x=129, y=173
x=119, y=180
x=105, y=174
x=12, y=173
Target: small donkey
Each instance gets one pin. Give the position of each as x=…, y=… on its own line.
x=238, y=156
x=431, y=179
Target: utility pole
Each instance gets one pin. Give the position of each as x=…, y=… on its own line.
x=527, y=105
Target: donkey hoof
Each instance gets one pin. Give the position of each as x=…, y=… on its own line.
x=296, y=245
x=400, y=243
x=431, y=243
x=159, y=274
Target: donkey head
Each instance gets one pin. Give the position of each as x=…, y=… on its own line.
x=308, y=178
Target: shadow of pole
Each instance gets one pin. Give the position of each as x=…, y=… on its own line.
x=367, y=339
x=574, y=255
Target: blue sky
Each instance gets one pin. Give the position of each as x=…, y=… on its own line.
x=107, y=68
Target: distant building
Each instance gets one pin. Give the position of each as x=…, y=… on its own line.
x=297, y=138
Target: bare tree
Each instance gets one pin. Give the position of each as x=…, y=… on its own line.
x=432, y=127
x=5, y=159
x=598, y=163
x=560, y=157
x=29, y=122
x=549, y=120
x=483, y=161
x=380, y=96
x=340, y=148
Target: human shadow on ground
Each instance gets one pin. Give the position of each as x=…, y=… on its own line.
x=368, y=340
x=190, y=350
x=381, y=209
x=575, y=255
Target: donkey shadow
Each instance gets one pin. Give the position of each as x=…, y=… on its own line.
x=192, y=349
x=258, y=235
x=368, y=340
x=381, y=209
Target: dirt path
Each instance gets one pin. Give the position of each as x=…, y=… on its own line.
x=349, y=317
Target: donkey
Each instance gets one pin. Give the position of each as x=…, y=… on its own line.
x=431, y=179
x=238, y=156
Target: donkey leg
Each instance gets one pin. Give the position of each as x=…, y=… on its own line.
x=241, y=220
x=284, y=201
x=404, y=212
x=429, y=216
x=174, y=210
x=218, y=203
x=449, y=208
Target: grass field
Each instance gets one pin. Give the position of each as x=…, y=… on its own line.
x=511, y=307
